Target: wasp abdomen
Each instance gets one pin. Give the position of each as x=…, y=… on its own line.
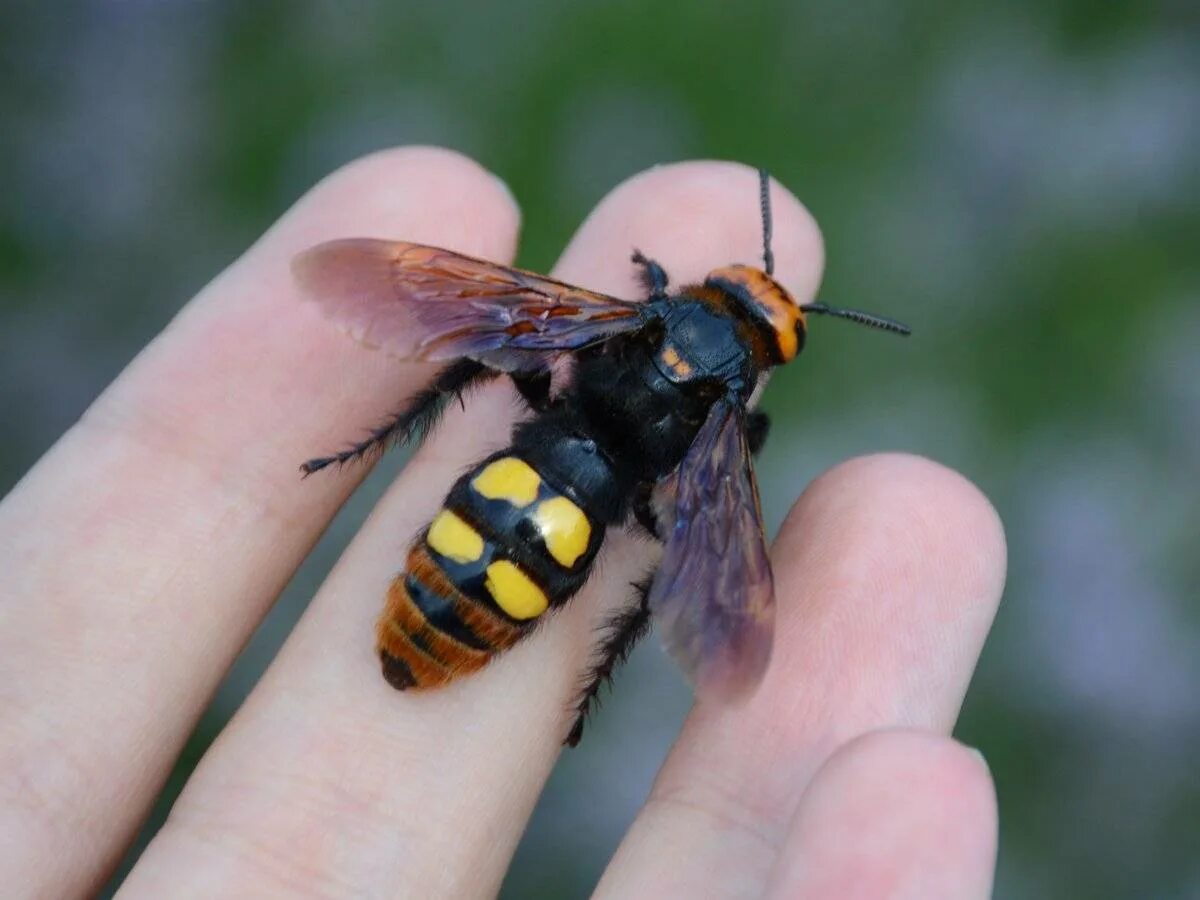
x=506, y=547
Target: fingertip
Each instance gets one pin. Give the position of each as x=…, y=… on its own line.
x=911, y=516
x=692, y=217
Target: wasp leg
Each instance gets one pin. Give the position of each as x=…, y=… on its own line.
x=416, y=420
x=758, y=426
x=652, y=275
x=643, y=509
x=534, y=387
x=621, y=633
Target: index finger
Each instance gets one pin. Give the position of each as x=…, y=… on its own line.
x=141, y=552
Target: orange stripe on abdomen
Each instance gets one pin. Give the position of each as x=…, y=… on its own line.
x=427, y=640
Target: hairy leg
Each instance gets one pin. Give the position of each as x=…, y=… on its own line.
x=414, y=421
x=622, y=632
x=534, y=388
x=652, y=275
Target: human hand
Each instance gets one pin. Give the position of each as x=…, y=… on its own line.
x=138, y=556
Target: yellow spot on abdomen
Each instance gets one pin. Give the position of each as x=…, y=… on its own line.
x=514, y=591
x=508, y=479
x=564, y=528
x=454, y=539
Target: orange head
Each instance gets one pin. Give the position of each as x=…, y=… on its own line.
x=771, y=307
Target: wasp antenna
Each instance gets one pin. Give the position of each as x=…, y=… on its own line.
x=764, y=199
x=857, y=315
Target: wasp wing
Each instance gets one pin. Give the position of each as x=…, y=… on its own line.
x=713, y=596
x=423, y=302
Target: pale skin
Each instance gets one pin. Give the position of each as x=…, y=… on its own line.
x=140, y=553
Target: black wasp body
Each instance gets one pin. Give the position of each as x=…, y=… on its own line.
x=645, y=396
x=653, y=423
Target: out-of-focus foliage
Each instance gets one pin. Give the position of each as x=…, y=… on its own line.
x=1017, y=180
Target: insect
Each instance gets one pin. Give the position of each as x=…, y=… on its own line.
x=654, y=428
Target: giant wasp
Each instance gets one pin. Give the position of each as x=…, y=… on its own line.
x=654, y=425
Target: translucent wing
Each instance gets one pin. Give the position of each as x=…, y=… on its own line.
x=713, y=596
x=426, y=303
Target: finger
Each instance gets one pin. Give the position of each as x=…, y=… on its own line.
x=329, y=776
x=141, y=552
x=894, y=814
x=888, y=573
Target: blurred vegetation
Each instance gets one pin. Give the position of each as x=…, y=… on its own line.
x=1016, y=180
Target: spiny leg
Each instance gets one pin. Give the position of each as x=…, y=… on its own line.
x=416, y=420
x=534, y=387
x=652, y=275
x=621, y=633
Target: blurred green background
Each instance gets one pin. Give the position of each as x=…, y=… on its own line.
x=1019, y=181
